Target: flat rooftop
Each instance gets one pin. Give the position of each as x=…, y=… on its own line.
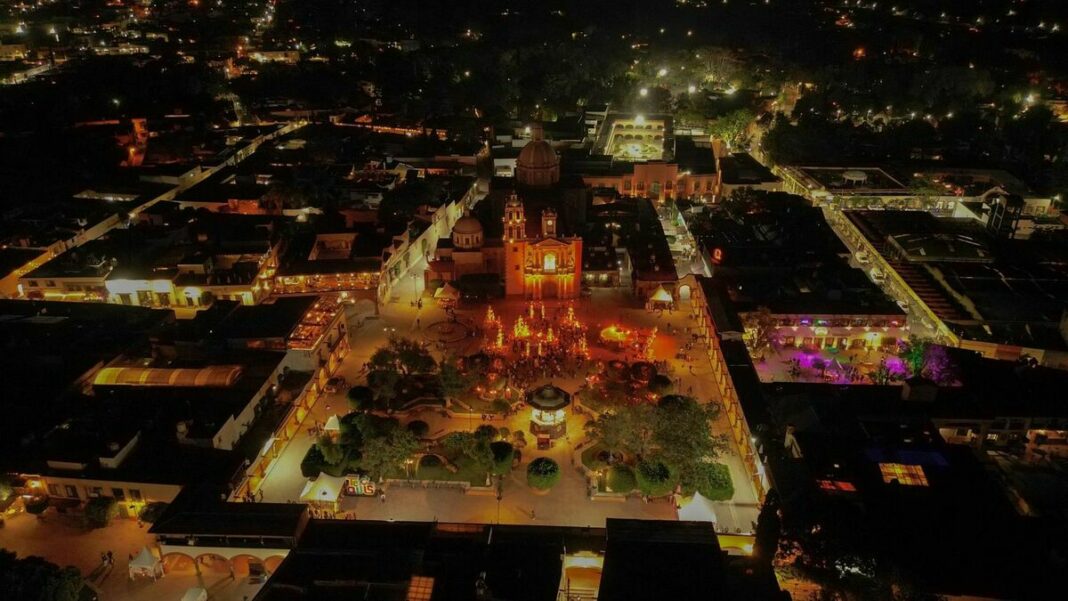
x=849, y=180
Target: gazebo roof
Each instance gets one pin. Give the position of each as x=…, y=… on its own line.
x=548, y=398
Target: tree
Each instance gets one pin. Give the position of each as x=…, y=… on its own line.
x=683, y=436
x=418, y=428
x=768, y=529
x=912, y=352
x=654, y=477
x=384, y=359
x=34, y=579
x=628, y=428
x=732, y=127
x=471, y=446
x=333, y=453
x=6, y=489
x=453, y=380
x=660, y=385
x=152, y=511
x=383, y=383
x=486, y=432
x=99, y=511
x=361, y=398
x=403, y=355
x=385, y=453
x=413, y=357
x=543, y=473
x=503, y=453
x=761, y=334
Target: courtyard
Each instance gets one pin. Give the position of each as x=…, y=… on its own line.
x=570, y=345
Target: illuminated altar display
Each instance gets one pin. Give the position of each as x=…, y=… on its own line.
x=548, y=417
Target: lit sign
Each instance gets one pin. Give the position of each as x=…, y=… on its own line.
x=363, y=486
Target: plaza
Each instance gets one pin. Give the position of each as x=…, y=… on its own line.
x=663, y=338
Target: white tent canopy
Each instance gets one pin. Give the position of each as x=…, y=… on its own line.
x=447, y=292
x=699, y=509
x=146, y=564
x=661, y=295
x=324, y=489
x=332, y=424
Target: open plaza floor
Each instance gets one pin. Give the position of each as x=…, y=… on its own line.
x=462, y=333
x=64, y=541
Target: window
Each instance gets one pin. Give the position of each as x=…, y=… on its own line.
x=53, y=489
x=124, y=298
x=907, y=475
x=421, y=588
x=51, y=283
x=165, y=299
x=550, y=262
x=94, y=491
x=135, y=494
x=119, y=494
x=71, y=491
x=33, y=283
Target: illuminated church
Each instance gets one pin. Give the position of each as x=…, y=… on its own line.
x=535, y=256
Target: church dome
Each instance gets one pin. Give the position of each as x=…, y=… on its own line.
x=467, y=225
x=537, y=164
x=467, y=233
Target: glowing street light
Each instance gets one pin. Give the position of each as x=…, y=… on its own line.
x=643, y=92
x=691, y=89
x=662, y=72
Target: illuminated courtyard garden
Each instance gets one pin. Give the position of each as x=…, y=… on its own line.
x=518, y=411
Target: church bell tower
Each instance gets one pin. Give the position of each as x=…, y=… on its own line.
x=515, y=222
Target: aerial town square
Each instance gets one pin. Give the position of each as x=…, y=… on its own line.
x=533, y=300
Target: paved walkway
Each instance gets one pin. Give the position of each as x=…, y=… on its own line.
x=64, y=542
x=568, y=502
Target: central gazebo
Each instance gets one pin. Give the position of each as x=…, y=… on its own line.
x=548, y=419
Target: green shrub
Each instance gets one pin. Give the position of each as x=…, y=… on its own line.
x=543, y=473
x=333, y=453
x=503, y=453
x=713, y=480
x=314, y=463
x=99, y=511
x=151, y=512
x=430, y=461
x=418, y=428
x=660, y=385
x=370, y=425
x=654, y=478
x=37, y=505
x=361, y=398
x=621, y=478
x=486, y=432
